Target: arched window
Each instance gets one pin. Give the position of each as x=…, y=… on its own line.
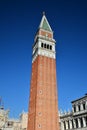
x=42, y=44
x=50, y=47
x=72, y=124
x=47, y=46
x=84, y=107
x=74, y=108
x=81, y=122
x=79, y=107
x=64, y=125
x=86, y=120
x=68, y=125
x=76, y=123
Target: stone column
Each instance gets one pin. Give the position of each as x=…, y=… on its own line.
x=81, y=106
x=86, y=105
x=84, y=121
x=66, y=123
x=74, y=123
x=62, y=125
x=79, y=123
x=70, y=124
x=76, y=107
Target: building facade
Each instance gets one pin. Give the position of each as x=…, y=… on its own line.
x=77, y=118
x=3, y=117
x=7, y=123
x=43, y=108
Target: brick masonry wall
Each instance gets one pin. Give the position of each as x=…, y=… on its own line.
x=43, y=108
x=44, y=33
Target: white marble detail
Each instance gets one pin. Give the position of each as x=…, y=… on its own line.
x=43, y=51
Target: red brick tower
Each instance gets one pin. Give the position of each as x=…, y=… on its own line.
x=43, y=108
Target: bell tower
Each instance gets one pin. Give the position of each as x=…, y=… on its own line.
x=43, y=103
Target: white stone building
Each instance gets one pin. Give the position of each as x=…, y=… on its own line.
x=3, y=117
x=7, y=123
x=77, y=118
x=23, y=120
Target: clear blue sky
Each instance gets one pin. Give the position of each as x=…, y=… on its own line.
x=19, y=20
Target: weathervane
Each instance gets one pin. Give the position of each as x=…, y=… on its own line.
x=43, y=12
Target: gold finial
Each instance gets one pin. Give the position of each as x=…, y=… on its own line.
x=43, y=13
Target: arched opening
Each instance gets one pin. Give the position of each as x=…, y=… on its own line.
x=68, y=125
x=47, y=46
x=84, y=106
x=74, y=108
x=81, y=122
x=42, y=45
x=64, y=125
x=76, y=123
x=50, y=47
x=86, y=120
x=79, y=107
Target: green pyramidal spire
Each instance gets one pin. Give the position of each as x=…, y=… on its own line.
x=44, y=24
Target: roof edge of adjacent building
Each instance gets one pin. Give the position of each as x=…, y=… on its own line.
x=79, y=98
